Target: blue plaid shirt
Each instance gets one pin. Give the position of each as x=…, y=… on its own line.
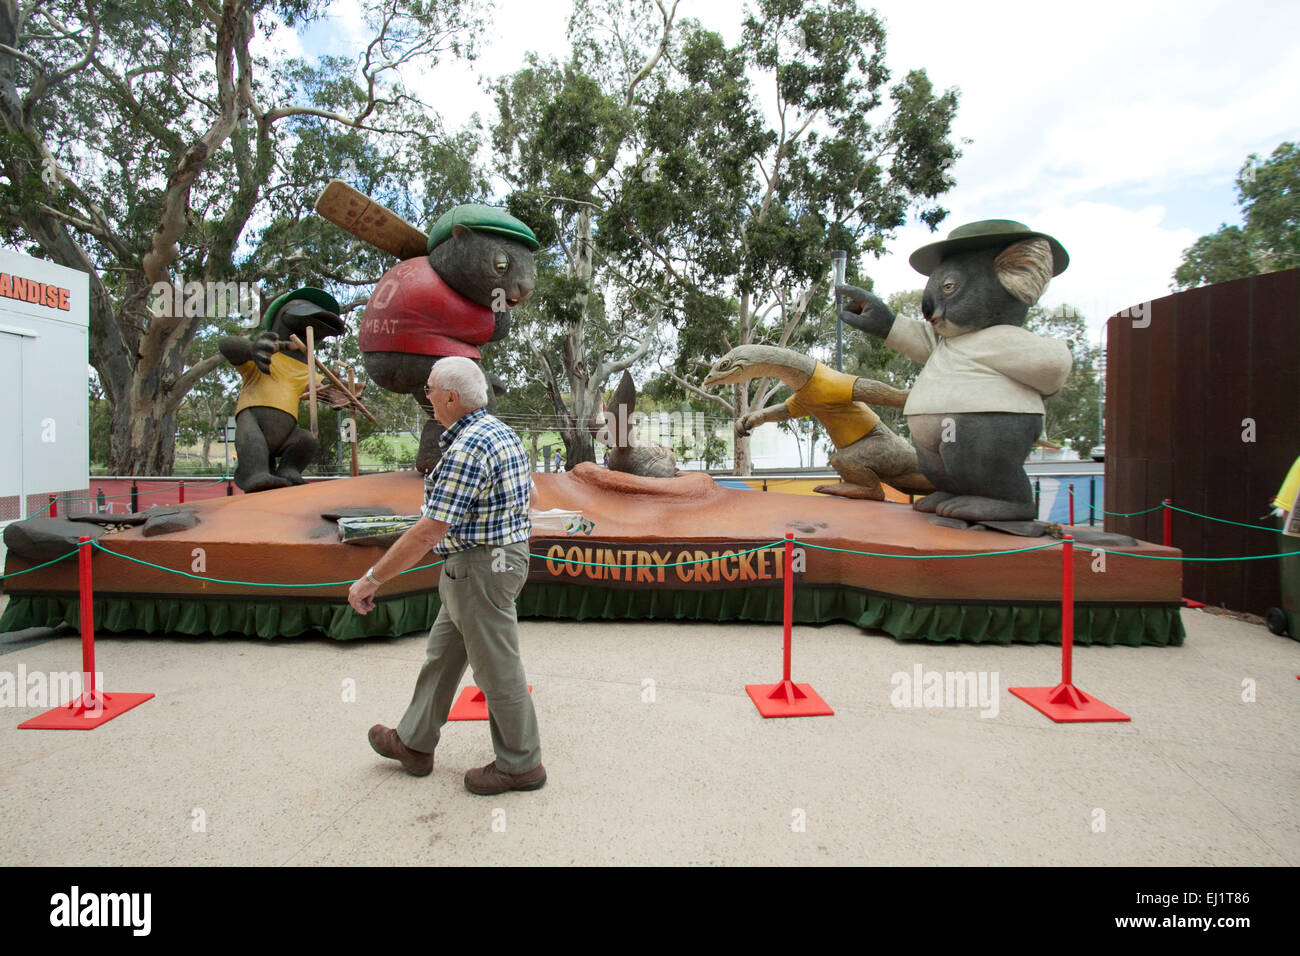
x=481, y=485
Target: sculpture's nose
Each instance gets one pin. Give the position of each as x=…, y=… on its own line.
x=927, y=307
x=522, y=290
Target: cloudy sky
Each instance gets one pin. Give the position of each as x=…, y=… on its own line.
x=1117, y=127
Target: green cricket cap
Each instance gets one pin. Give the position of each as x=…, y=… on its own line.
x=485, y=219
x=317, y=297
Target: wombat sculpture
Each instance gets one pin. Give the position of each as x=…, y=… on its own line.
x=977, y=406
x=479, y=266
x=273, y=451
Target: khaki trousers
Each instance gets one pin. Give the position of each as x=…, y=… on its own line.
x=477, y=626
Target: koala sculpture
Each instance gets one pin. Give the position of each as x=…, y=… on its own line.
x=452, y=292
x=273, y=451
x=977, y=406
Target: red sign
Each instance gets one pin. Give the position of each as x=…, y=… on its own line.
x=37, y=293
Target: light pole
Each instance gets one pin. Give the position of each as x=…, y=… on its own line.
x=839, y=258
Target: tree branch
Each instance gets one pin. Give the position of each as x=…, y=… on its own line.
x=646, y=70
x=605, y=369
x=190, y=379
x=698, y=391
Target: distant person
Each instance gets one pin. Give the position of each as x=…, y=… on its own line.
x=476, y=514
x=558, y=464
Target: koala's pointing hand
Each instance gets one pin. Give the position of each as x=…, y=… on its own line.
x=857, y=299
x=865, y=311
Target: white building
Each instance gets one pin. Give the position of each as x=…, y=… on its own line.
x=44, y=365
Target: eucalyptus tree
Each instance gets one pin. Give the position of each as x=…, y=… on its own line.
x=1268, y=192
x=171, y=147
x=567, y=134
x=732, y=233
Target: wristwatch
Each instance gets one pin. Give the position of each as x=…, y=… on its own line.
x=370, y=573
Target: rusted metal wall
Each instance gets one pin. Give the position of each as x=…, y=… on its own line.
x=1182, y=392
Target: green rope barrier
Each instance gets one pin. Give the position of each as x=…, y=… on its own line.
x=1160, y=557
x=37, y=567
x=1240, y=524
x=1124, y=514
x=632, y=567
x=251, y=584
x=929, y=557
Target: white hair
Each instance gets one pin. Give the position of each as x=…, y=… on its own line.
x=462, y=376
x=1025, y=268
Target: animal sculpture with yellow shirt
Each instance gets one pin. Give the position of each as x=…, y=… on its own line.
x=272, y=450
x=867, y=452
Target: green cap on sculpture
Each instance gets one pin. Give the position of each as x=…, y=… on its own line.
x=317, y=297
x=980, y=235
x=484, y=219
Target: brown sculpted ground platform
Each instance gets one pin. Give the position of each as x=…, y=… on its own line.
x=652, y=525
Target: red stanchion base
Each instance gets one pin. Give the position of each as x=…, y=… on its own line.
x=1066, y=704
x=788, y=699
x=472, y=705
x=86, y=712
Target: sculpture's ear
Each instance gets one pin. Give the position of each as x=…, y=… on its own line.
x=458, y=230
x=615, y=430
x=1024, y=269
x=625, y=394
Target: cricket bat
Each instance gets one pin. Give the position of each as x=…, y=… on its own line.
x=370, y=222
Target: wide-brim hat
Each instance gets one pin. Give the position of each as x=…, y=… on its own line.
x=307, y=303
x=982, y=235
x=485, y=219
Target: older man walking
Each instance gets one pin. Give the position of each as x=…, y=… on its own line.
x=475, y=513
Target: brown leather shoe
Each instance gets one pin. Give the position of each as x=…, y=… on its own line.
x=386, y=743
x=489, y=780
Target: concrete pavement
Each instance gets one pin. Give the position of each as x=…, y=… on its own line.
x=255, y=752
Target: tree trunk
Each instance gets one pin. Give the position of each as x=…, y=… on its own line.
x=578, y=446
x=741, y=464
x=578, y=443
x=143, y=436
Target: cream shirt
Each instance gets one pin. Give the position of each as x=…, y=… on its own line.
x=1003, y=368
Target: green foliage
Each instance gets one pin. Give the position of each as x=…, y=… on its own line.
x=1071, y=415
x=100, y=421
x=735, y=228
x=1268, y=193
x=677, y=217
x=126, y=122
x=567, y=132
